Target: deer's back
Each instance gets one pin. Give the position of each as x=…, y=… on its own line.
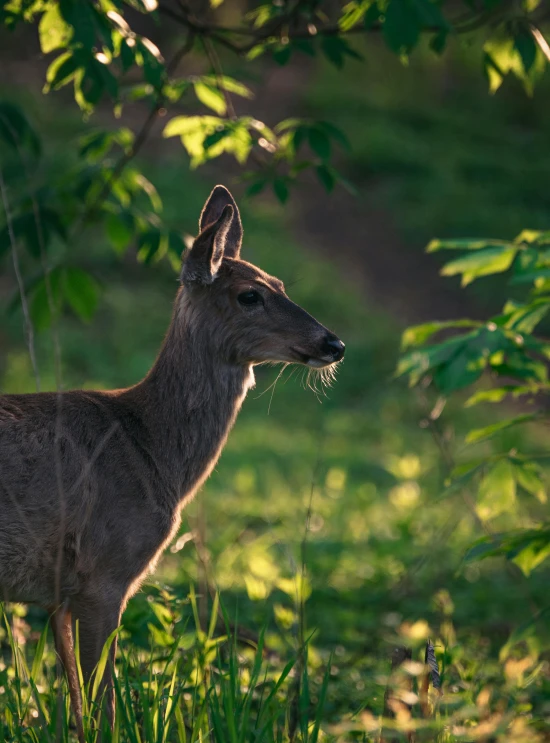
x=79, y=495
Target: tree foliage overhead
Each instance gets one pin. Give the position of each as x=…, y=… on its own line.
x=93, y=48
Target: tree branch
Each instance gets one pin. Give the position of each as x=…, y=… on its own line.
x=140, y=139
x=220, y=33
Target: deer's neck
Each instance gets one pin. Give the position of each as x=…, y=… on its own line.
x=190, y=400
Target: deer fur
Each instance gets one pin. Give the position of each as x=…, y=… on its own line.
x=92, y=483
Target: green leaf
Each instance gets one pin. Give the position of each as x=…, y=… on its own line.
x=417, y=335
x=483, y=548
x=193, y=130
x=438, y=42
x=257, y=187
x=154, y=70
x=282, y=54
x=528, y=548
x=335, y=133
x=430, y=14
x=352, y=14
x=319, y=142
x=289, y=124
x=127, y=55
x=497, y=491
x=47, y=301
x=211, y=97
x=212, y=139
x=465, y=367
x=53, y=31
x=16, y=130
x=532, y=555
x=239, y=142
x=526, y=46
x=95, y=146
x=281, y=189
x=402, y=26
x=481, y=434
x=326, y=176
x=229, y=84
x=465, y=244
x=137, y=182
x=481, y=263
x=81, y=291
x=149, y=246
x=372, y=16
x=495, y=395
x=532, y=237
x=262, y=14
x=336, y=50
x=61, y=71
x=418, y=363
x=35, y=230
x=90, y=89
x=83, y=19
x=526, y=318
x=530, y=476
x=531, y=276
x=492, y=72
x=119, y=230
x=298, y=137
x=518, y=365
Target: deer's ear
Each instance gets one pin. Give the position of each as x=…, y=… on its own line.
x=202, y=262
x=215, y=204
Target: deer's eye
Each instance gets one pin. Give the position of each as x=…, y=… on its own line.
x=250, y=298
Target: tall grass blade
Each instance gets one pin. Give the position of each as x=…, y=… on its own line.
x=102, y=663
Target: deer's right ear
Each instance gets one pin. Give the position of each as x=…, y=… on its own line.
x=215, y=203
x=202, y=262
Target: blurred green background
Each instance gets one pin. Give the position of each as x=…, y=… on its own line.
x=432, y=155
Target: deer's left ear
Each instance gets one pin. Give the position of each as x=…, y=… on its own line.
x=215, y=204
x=202, y=262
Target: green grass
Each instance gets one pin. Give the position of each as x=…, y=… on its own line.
x=385, y=549
x=194, y=686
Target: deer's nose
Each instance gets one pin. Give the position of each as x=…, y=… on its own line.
x=334, y=347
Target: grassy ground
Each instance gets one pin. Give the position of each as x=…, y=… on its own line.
x=383, y=560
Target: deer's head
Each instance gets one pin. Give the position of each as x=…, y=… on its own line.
x=240, y=311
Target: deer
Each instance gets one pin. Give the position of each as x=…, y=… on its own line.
x=92, y=483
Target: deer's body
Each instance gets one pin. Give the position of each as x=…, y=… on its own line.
x=92, y=483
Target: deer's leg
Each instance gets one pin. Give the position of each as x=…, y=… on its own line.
x=97, y=619
x=64, y=644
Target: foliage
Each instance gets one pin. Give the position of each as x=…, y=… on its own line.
x=97, y=52
x=508, y=351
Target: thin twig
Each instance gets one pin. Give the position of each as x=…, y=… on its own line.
x=29, y=328
x=42, y=247
x=216, y=66
x=57, y=360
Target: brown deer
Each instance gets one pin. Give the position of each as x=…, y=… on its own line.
x=92, y=483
